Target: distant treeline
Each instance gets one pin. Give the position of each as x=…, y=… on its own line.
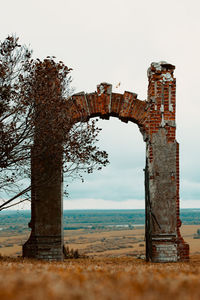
x=74, y=219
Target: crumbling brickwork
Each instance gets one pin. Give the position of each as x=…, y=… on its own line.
x=166, y=243
x=155, y=118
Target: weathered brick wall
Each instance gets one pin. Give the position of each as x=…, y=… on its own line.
x=163, y=162
x=104, y=104
x=156, y=121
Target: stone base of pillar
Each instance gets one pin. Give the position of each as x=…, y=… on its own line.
x=164, y=249
x=167, y=248
x=44, y=247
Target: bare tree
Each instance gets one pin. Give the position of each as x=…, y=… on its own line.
x=57, y=135
x=15, y=134
x=34, y=109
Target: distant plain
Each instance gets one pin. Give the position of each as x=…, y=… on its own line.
x=109, y=233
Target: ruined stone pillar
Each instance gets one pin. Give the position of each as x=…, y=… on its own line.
x=46, y=239
x=164, y=243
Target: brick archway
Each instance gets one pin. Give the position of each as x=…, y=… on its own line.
x=155, y=118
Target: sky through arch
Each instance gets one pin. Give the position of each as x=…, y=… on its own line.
x=120, y=185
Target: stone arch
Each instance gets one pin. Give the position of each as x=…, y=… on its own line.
x=104, y=104
x=155, y=118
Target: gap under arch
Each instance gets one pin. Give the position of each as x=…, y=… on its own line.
x=122, y=181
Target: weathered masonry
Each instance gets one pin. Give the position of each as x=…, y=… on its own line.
x=155, y=118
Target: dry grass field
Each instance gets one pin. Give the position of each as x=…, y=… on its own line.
x=99, y=278
x=111, y=270
x=101, y=243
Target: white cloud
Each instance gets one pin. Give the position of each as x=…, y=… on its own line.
x=190, y=203
x=103, y=204
x=22, y=206
x=190, y=189
x=84, y=203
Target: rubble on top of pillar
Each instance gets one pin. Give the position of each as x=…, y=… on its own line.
x=162, y=69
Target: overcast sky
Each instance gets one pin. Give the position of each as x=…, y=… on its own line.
x=115, y=41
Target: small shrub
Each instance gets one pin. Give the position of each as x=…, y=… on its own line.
x=70, y=253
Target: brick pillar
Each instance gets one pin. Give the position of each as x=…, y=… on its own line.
x=46, y=239
x=161, y=167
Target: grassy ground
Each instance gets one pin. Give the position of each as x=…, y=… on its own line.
x=99, y=278
x=108, y=274
x=96, y=243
